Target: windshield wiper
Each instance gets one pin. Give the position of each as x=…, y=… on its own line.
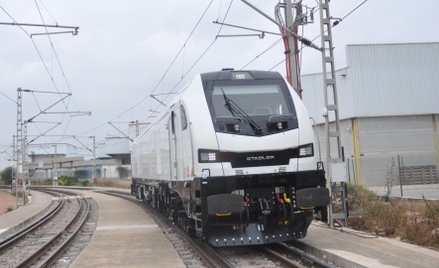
x=238, y=113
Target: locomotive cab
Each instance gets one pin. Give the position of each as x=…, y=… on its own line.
x=268, y=181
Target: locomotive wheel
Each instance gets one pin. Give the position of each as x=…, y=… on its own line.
x=189, y=227
x=138, y=194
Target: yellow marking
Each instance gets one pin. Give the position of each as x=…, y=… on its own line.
x=223, y=214
x=306, y=207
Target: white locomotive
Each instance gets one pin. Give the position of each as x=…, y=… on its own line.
x=232, y=160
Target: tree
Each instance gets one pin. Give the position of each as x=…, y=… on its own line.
x=6, y=175
x=123, y=171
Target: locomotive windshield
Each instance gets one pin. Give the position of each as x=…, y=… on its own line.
x=253, y=100
x=250, y=106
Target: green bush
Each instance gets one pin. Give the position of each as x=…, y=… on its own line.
x=122, y=171
x=84, y=183
x=19, y=194
x=67, y=181
x=6, y=175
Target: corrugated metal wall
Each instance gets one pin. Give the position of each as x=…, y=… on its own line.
x=391, y=91
x=381, y=80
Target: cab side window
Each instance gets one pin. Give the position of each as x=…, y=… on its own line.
x=183, y=118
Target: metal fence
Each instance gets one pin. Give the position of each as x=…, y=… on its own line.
x=398, y=176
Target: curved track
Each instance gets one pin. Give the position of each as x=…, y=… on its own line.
x=40, y=243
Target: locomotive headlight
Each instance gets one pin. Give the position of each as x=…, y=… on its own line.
x=305, y=150
x=279, y=125
x=236, y=126
x=212, y=156
x=208, y=156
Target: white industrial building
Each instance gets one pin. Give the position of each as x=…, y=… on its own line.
x=388, y=100
x=63, y=159
x=58, y=159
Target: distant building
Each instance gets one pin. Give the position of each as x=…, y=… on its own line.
x=388, y=99
x=40, y=153
x=47, y=161
x=116, y=148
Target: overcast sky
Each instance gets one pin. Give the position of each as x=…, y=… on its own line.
x=124, y=50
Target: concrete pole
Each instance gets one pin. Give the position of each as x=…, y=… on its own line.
x=436, y=145
x=94, y=161
x=292, y=41
x=54, y=165
x=12, y=163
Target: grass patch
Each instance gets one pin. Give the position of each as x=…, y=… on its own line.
x=42, y=182
x=9, y=209
x=19, y=194
x=102, y=183
x=416, y=222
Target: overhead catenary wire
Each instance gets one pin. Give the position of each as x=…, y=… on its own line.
x=263, y=52
x=193, y=65
x=8, y=97
x=353, y=10
x=168, y=69
x=65, y=103
x=36, y=48
x=302, y=46
x=204, y=53
x=59, y=65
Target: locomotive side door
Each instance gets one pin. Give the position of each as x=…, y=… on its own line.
x=173, y=144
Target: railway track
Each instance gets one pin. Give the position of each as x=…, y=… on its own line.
x=273, y=255
x=42, y=242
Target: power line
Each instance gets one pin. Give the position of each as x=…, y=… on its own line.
x=205, y=51
x=64, y=77
x=8, y=97
x=59, y=65
x=168, y=69
x=199, y=58
x=36, y=47
x=266, y=50
x=335, y=24
x=182, y=47
x=354, y=9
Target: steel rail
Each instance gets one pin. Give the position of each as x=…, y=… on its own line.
x=49, y=244
x=278, y=258
x=14, y=237
x=55, y=255
x=298, y=255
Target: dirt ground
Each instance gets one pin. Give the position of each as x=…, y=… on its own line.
x=6, y=200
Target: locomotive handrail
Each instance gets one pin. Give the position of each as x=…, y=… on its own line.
x=229, y=117
x=281, y=115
